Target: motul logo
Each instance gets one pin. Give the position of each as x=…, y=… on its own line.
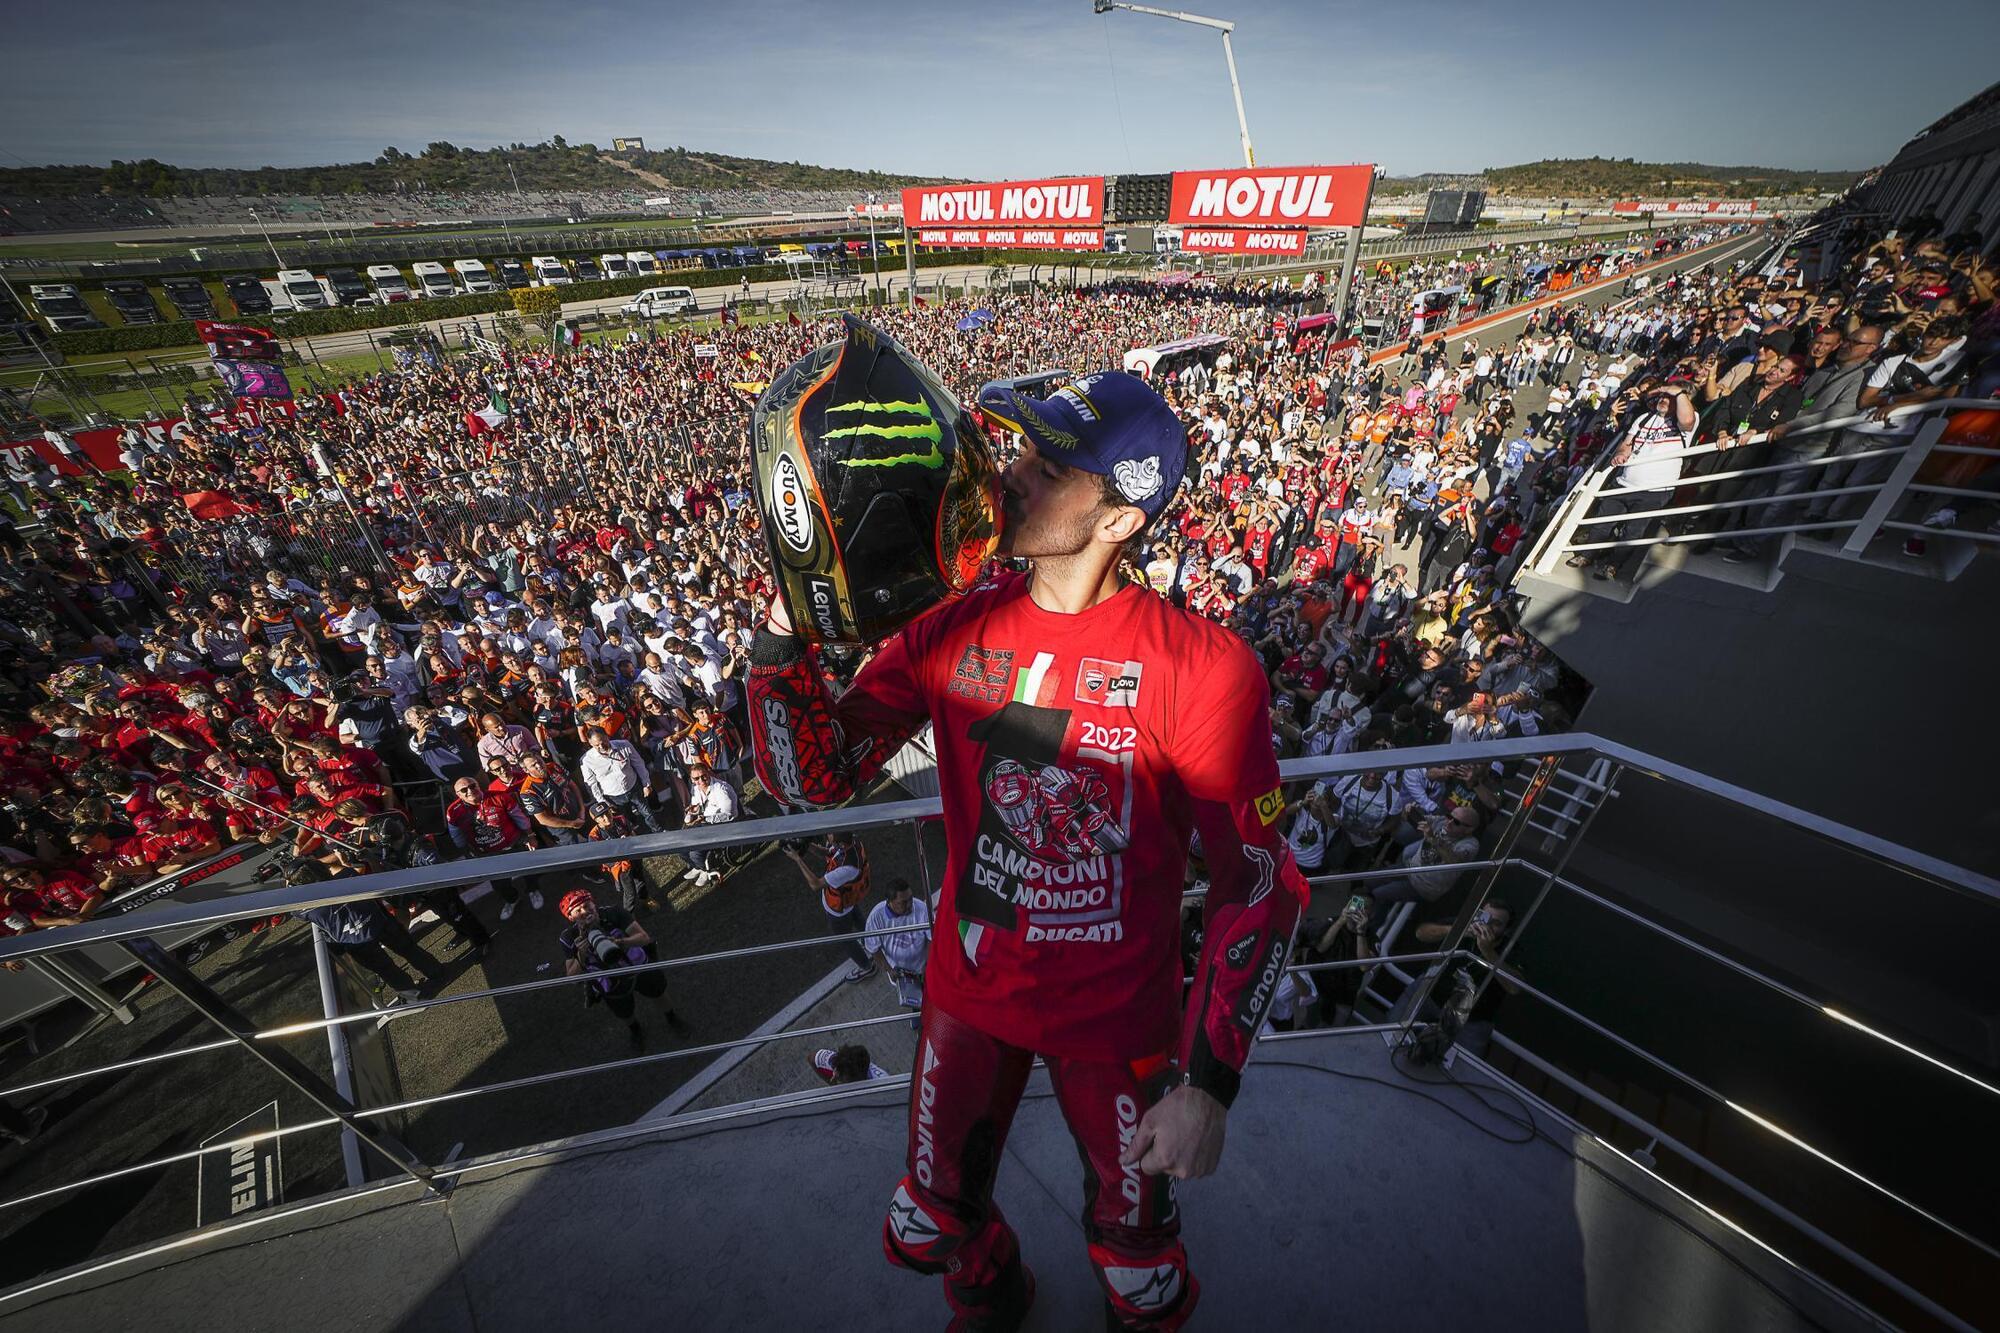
x=1330, y=196
x=1074, y=199
x=1288, y=197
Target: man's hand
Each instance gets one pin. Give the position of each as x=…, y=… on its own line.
x=1181, y=1136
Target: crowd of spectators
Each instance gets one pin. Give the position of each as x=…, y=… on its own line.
x=1723, y=375
x=498, y=638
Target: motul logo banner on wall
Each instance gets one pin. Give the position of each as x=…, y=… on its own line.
x=1014, y=238
x=1315, y=196
x=1067, y=201
x=1685, y=206
x=1244, y=240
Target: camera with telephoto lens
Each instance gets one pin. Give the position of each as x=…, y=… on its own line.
x=606, y=948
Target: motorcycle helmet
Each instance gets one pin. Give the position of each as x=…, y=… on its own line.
x=878, y=492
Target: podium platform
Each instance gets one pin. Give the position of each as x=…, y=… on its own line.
x=1340, y=1203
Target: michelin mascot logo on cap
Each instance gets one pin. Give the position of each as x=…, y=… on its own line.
x=879, y=494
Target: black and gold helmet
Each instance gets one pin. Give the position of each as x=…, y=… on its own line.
x=879, y=494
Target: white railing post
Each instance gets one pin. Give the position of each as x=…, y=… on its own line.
x=1893, y=489
x=1563, y=526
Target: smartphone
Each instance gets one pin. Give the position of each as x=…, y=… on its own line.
x=1358, y=904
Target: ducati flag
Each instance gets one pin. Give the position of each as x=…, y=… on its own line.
x=237, y=342
x=729, y=315
x=792, y=318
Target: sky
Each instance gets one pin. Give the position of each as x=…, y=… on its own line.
x=990, y=89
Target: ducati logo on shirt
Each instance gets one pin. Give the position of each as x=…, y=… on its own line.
x=1113, y=684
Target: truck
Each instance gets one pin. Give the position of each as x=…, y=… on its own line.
x=433, y=279
x=614, y=265
x=62, y=306
x=642, y=263
x=549, y=271
x=510, y=274
x=390, y=284
x=302, y=289
x=247, y=294
x=190, y=298
x=134, y=304
x=348, y=288
x=473, y=277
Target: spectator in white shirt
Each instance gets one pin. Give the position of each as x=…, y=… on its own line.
x=710, y=801
x=906, y=951
x=615, y=773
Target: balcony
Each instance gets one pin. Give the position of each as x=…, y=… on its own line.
x=1661, y=1131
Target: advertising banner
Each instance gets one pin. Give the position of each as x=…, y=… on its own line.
x=1704, y=206
x=1272, y=196
x=1244, y=240
x=1067, y=201
x=1013, y=238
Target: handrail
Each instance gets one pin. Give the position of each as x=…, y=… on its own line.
x=1549, y=752
x=285, y=899
x=1560, y=537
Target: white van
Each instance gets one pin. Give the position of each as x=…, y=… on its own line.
x=390, y=284
x=614, y=265
x=657, y=301
x=549, y=271
x=302, y=289
x=473, y=277
x=434, y=279
x=643, y=264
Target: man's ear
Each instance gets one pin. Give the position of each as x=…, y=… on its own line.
x=1119, y=525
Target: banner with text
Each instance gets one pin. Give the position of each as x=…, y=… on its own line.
x=1066, y=201
x=1272, y=196
x=1745, y=206
x=1013, y=238
x=1244, y=240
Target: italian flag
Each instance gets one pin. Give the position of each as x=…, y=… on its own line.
x=566, y=334
x=485, y=420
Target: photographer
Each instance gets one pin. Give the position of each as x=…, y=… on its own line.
x=601, y=941
x=1639, y=481
x=1441, y=840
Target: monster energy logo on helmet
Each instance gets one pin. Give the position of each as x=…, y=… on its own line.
x=891, y=477
x=925, y=429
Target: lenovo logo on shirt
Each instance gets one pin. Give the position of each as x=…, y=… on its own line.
x=1112, y=684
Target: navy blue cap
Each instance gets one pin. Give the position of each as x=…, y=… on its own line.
x=1110, y=423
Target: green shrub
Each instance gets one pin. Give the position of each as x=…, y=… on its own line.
x=540, y=304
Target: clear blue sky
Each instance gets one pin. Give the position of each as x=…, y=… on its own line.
x=993, y=88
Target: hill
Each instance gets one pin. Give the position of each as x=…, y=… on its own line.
x=1607, y=177
x=554, y=165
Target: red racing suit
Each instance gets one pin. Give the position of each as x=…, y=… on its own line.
x=1076, y=755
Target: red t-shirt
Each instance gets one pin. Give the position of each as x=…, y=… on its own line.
x=1073, y=751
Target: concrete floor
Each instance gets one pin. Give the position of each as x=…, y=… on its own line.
x=1339, y=1201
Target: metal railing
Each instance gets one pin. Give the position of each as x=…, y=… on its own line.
x=1873, y=489
x=1553, y=790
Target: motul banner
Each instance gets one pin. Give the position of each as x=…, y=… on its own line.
x=1685, y=206
x=1315, y=196
x=1068, y=201
x=1013, y=238
x=1244, y=240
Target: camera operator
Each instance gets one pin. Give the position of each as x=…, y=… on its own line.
x=601, y=941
